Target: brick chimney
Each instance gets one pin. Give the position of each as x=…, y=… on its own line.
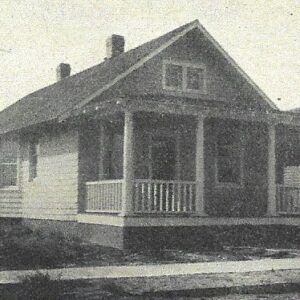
x=63, y=71
x=114, y=45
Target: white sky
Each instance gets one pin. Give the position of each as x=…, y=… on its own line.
x=263, y=36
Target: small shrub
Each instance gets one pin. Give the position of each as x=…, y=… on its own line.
x=38, y=249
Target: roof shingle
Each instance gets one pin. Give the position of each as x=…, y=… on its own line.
x=52, y=101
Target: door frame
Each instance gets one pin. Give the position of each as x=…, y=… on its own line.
x=176, y=135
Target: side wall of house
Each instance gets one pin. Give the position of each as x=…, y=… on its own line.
x=10, y=204
x=53, y=194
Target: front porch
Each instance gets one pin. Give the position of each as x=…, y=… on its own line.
x=159, y=164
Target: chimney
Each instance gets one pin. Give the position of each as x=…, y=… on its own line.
x=114, y=45
x=63, y=71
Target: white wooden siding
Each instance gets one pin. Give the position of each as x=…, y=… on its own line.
x=10, y=204
x=292, y=176
x=53, y=194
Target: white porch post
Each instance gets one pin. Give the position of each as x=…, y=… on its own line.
x=272, y=210
x=128, y=169
x=200, y=165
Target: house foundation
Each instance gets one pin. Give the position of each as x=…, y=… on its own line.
x=136, y=234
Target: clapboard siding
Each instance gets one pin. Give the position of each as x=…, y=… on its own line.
x=292, y=176
x=53, y=194
x=10, y=204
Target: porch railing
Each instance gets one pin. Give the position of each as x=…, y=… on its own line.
x=288, y=199
x=104, y=196
x=160, y=196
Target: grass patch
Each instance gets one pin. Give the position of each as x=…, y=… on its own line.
x=23, y=248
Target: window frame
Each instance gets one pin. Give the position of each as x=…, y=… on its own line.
x=241, y=156
x=15, y=187
x=185, y=66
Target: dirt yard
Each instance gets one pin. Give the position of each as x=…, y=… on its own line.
x=22, y=248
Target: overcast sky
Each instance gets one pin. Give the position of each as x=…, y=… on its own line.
x=263, y=36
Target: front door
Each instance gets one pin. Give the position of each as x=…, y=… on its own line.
x=163, y=157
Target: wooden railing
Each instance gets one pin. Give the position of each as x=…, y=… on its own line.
x=104, y=196
x=160, y=196
x=288, y=199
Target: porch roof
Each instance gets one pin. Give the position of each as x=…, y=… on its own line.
x=183, y=106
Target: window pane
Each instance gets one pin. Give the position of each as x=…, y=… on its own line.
x=195, y=79
x=8, y=162
x=173, y=76
x=8, y=151
x=117, y=156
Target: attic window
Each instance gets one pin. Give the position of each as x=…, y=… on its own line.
x=183, y=76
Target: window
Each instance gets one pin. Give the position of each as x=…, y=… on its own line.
x=174, y=76
x=186, y=77
x=195, y=79
x=33, y=159
x=9, y=148
x=229, y=157
x=113, y=160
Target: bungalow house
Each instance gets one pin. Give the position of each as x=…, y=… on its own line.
x=152, y=145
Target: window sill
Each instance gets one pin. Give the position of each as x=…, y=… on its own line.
x=220, y=185
x=184, y=91
x=10, y=189
x=187, y=94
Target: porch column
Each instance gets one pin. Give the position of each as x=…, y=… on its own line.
x=128, y=170
x=272, y=210
x=200, y=165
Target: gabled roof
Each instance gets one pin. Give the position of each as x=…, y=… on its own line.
x=61, y=98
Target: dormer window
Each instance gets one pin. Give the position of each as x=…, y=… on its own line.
x=173, y=76
x=183, y=76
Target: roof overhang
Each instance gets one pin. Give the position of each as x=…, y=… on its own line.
x=178, y=107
